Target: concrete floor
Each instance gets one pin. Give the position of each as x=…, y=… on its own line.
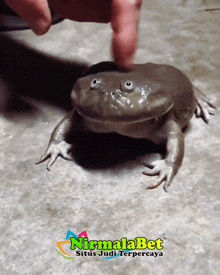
x=38, y=207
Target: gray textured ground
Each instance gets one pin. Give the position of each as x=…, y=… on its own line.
x=38, y=207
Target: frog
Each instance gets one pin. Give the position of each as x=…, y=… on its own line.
x=151, y=101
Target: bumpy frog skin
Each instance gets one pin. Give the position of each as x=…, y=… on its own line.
x=153, y=102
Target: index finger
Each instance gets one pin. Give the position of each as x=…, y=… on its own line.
x=124, y=22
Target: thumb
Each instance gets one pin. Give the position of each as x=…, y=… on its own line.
x=35, y=12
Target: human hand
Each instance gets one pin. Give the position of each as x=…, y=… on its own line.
x=123, y=15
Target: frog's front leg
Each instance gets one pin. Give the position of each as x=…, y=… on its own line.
x=168, y=167
x=57, y=144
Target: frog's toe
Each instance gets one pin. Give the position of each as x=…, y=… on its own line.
x=47, y=154
x=153, y=185
x=165, y=170
x=169, y=179
x=151, y=172
x=152, y=168
x=43, y=158
x=154, y=165
x=198, y=111
x=54, y=150
x=162, y=176
x=166, y=185
x=54, y=155
x=61, y=150
x=204, y=109
x=53, y=158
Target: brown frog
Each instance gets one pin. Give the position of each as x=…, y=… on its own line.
x=152, y=101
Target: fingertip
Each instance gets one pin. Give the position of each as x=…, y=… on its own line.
x=124, y=65
x=40, y=26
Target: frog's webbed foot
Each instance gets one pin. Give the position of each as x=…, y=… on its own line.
x=204, y=107
x=54, y=150
x=164, y=169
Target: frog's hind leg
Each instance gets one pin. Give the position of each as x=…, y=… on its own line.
x=204, y=107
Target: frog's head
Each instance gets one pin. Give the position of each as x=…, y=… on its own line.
x=104, y=93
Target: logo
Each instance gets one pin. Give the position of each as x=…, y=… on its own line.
x=81, y=246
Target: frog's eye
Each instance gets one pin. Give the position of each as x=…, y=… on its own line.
x=128, y=85
x=95, y=82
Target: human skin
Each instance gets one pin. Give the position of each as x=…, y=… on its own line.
x=123, y=15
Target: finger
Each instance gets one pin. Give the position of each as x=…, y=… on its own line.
x=124, y=22
x=35, y=13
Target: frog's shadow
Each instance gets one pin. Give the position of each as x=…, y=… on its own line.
x=100, y=151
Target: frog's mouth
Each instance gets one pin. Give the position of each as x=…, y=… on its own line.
x=114, y=106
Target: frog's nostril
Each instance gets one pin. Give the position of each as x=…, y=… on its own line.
x=116, y=92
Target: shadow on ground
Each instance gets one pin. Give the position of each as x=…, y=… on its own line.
x=99, y=151
x=28, y=73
